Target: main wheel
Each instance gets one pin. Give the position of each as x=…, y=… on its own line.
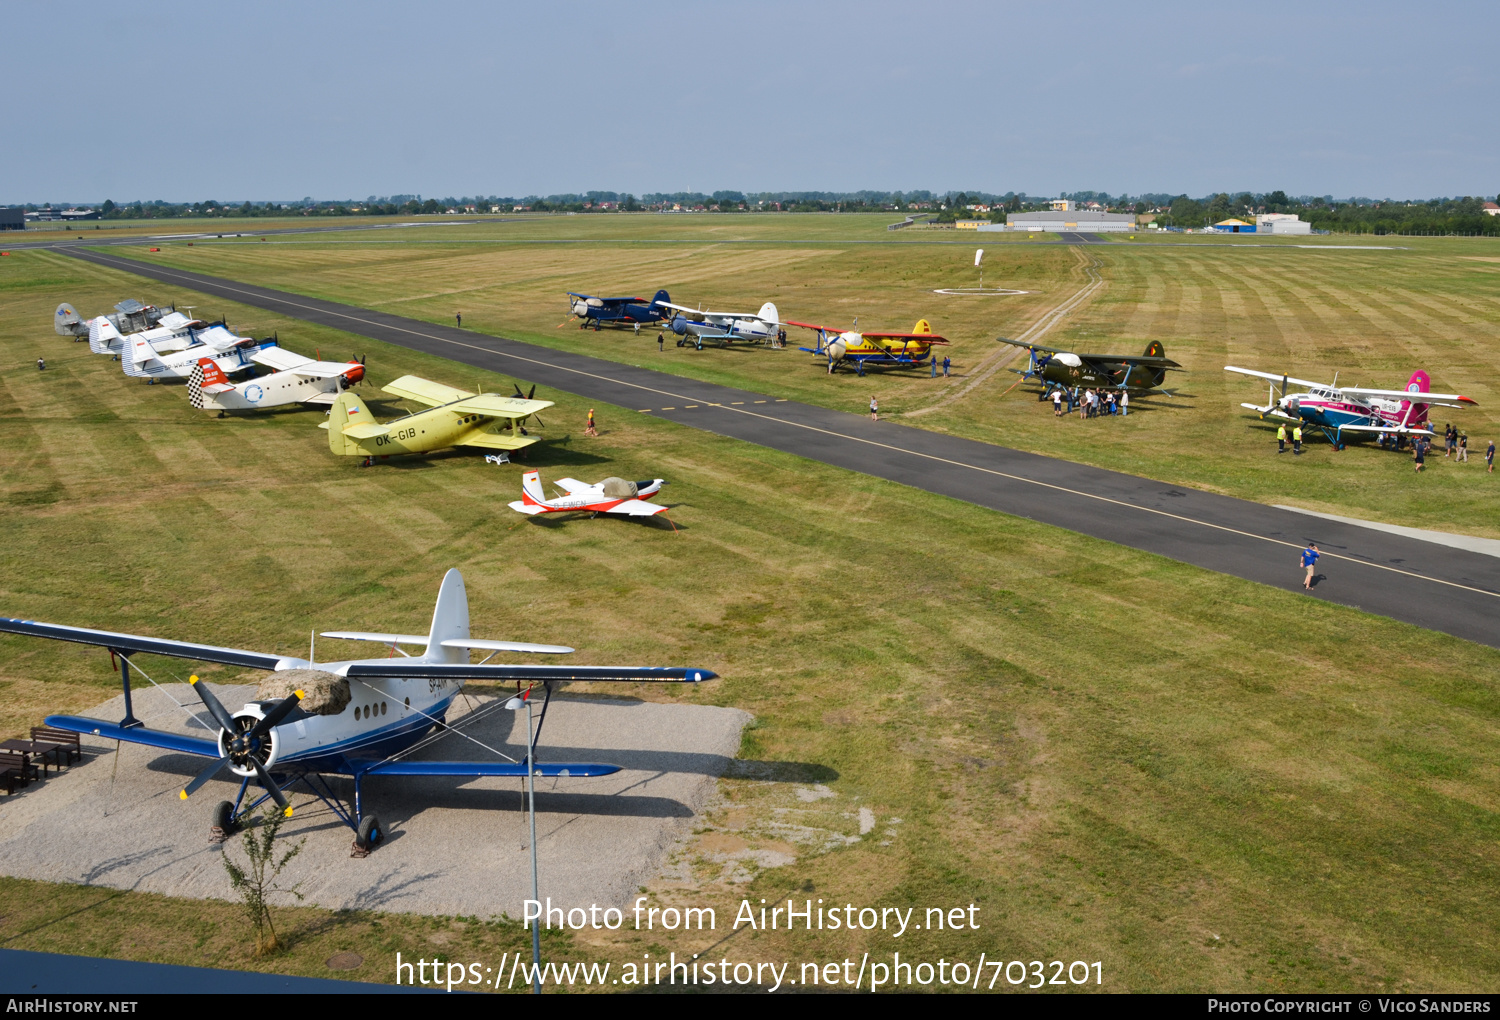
x=369, y=834
x=223, y=818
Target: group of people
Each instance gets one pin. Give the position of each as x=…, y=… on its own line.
x=1092, y=403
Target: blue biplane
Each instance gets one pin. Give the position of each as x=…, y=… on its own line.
x=619, y=311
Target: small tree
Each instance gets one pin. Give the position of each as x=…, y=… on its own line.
x=257, y=881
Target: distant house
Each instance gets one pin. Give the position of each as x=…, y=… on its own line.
x=1232, y=226
x=1492, y=208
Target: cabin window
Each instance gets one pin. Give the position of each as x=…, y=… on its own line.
x=382, y=708
x=408, y=703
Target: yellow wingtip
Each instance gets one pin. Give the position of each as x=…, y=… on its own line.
x=182, y=794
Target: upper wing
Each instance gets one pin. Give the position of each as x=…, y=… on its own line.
x=135, y=643
x=399, y=668
x=280, y=359
x=1131, y=359
x=808, y=325
x=135, y=735
x=1421, y=398
x=424, y=391
x=490, y=768
x=417, y=639
x=1272, y=376
x=931, y=338
x=496, y=406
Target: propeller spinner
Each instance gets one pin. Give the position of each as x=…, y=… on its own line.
x=246, y=740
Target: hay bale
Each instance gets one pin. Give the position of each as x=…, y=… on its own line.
x=619, y=488
x=324, y=693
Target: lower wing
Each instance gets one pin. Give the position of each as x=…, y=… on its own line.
x=490, y=441
x=489, y=768
x=135, y=735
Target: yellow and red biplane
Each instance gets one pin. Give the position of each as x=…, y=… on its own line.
x=873, y=350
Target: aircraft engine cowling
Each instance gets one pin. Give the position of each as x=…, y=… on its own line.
x=679, y=325
x=268, y=749
x=1292, y=405
x=837, y=349
x=355, y=374
x=580, y=308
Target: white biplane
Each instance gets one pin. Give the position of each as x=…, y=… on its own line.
x=693, y=326
x=296, y=380
x=357, y=717
x=217, y=343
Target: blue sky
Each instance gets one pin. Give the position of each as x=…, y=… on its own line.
x=190, y=101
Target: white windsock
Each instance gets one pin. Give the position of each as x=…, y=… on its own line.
x=978, y=256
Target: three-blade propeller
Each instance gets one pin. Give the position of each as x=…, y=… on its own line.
x=242, y=743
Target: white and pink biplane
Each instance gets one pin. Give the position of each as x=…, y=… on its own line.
x=611, y=496
x=1356, y=410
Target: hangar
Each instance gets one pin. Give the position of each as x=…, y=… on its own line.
x=1056, y=221
x=13, y=219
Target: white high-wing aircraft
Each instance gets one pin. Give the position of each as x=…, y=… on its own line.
x=171, y=332
x=362, y=717
x=694, y=326
x=217, y=343
x=129, y=315
x=297, y=380
x=611, y=496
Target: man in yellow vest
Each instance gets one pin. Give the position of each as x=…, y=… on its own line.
x=1281, y=439
x=1296, y=440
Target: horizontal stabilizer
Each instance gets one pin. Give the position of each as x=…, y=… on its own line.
x=526, y=508
x=135, y=643
x=321, y=398
x=557, y=769
x=366, y=430
x=206, y=747
x=424, y=391
x=385, y=639
x=398, y=668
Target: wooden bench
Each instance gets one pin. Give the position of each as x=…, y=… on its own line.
x=71, y=749
x=15, y=769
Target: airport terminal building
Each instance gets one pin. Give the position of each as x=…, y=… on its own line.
x=1056, y=221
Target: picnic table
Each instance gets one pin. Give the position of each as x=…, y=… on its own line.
x=38, y=749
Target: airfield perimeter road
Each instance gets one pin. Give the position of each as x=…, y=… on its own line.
x=1434, y=586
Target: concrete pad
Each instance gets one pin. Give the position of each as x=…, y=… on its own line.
x=1469, y=543
x=454, y=846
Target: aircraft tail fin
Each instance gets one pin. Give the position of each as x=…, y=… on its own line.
x=661, y=298
x=1419, y=382
x=1155, y=350
x=922, y=326
x=1414, y=412
x=450, y=620
x=205, y=374
x=347, y=410
x=103, y=336
x=66, y=320
x=531, y=489
x=769, y=313
x=139, y=354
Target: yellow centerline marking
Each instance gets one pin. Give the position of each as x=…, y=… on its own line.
x=827, y=432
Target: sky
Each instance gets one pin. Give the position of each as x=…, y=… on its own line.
x=277, y=101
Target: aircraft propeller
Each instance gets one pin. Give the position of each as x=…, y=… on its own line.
x=242, y=736
x=528, y=396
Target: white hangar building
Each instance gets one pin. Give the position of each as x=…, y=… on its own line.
x=1082, y=220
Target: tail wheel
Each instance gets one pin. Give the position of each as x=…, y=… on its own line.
x=370, y=833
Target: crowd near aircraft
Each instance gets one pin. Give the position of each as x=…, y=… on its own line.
x=361, y=718
x=1132, y=373
x=1357, y=410
x=873, y=350
x=622, y=311
x=453, y=417
x=694, y=326
x=296, y=380
x=611, y=496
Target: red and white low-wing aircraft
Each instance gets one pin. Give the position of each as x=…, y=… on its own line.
x=611, y=496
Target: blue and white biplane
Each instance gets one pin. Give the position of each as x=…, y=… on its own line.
x=367, y=715
x=618, y=311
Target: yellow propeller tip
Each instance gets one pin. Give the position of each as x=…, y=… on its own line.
x=193, y=679
x=300, y=694
x=182, y=794
x=289, y=811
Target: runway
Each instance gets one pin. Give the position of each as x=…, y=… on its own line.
x=1442, y=588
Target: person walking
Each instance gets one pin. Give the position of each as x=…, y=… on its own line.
x=590, y=429
x=661, y=342
x=460, y=317
x=947, y=363
x=1124, y=403
x=1463, y=447
x=1419, y=454
x=1057, y=403
x=1489, y=457
x=1309, y=561
x=41, y=364
x=1281, y=439
x=874, y=408
x=1296, y=440
x=933, y=360
x=1450, y=441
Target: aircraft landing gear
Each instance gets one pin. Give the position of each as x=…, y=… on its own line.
x=367, y=837
x=222, y=824
x=680, y=341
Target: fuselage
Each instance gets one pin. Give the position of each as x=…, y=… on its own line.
x=1069, y=370
x=438, y=428
x=1334, y=409
x=724, y=329
x=383, y=717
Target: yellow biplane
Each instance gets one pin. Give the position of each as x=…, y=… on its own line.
x=453, y=417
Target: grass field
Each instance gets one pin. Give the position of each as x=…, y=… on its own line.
x=1201, y=782
x=1370, y=315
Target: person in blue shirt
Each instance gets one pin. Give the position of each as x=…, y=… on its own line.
x=1309, y=560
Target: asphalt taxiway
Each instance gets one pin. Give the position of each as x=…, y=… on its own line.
x=1440, y=587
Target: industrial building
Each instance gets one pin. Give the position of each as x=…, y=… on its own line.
x=1062, y=221
x=13, y=219
x=1281, y=223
